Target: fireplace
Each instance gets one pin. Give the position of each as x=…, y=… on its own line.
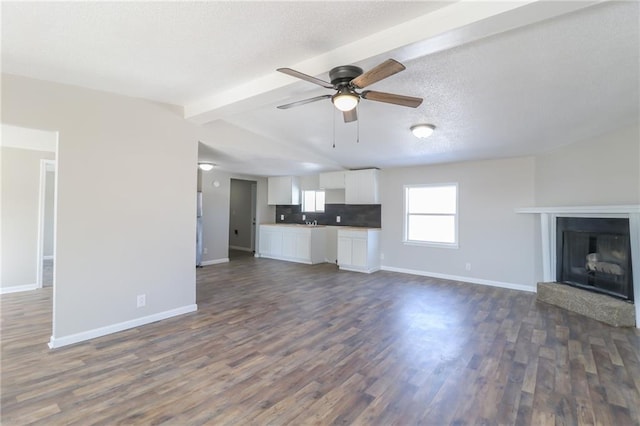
x=595, y=254
x=597, y=263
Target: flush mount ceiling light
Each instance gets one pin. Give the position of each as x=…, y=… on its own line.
x=422, y=130
x=206, y=166
x=345, y=100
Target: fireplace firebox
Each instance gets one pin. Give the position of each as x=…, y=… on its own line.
x=595, y=254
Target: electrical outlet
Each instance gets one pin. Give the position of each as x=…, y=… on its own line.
x=467, y=266
x=337, y=219
x=141, y=300
x=205, y=250
x=281, y=217
x=304, y=217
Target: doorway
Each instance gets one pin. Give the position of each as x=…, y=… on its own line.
x=242, y=218
x=46, y=220
x=28, y=170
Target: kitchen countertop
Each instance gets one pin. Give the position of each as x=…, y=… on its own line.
x=300, y=225
x=318, y=226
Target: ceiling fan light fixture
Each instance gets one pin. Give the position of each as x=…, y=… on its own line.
x=345, y=100
x=422, y=131
x=206, y=166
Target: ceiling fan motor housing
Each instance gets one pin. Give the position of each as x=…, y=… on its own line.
x=342, y=75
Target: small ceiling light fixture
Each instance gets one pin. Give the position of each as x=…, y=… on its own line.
x=345, y=100
x=206, y=166
x=422, y=131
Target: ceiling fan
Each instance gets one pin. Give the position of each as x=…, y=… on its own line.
x=347, y=80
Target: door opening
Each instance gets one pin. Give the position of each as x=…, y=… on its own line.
x=242, y=218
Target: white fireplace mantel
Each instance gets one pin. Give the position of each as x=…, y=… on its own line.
x=548, y=217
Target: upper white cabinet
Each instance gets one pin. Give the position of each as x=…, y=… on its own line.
x=332, y=180
x=361, y=187
x=283, y=190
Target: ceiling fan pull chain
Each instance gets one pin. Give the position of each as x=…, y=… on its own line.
x=333, y=114
x=358, y=129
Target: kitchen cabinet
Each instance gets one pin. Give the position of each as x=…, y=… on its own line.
x=294, y=243
x=332, y=180
x=359, y=249
x=270, y=241
x=361, y=187
x=283, y=190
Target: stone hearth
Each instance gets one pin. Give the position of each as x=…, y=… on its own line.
x=592, y=305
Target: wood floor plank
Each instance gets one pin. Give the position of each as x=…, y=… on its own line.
x=276, y=343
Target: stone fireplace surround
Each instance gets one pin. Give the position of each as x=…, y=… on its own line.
x=548, y=216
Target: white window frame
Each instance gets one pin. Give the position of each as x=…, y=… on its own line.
x=405, y=230
x=316, y=202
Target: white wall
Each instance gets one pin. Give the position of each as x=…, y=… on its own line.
x=126, y=208
x=497, y=242
x=599, y=171
x=20, y=183
x=215, y=214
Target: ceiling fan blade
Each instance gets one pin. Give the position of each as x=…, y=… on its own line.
x=302, y=76
x=350, y=116
x=390, y=98
x=382, y=71
x=304, y=101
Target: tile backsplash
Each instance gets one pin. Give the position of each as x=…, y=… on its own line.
x=363, y=215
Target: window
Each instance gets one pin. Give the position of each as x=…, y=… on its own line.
x=431, y=214
x=312, y=201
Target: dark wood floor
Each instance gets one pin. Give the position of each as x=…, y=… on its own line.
x=282, y=343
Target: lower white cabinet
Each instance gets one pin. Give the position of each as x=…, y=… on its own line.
x=295, y=243
x=359, y=250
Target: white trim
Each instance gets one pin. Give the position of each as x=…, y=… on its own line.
x=241, y=248
x=356, y=269
x=426, y=244
x=57, y=342
x=634, y=241
x=17, y=288
x=45, y=166
x=627, y=208
x=286, y=259
x=491, y=283
x=214, y=261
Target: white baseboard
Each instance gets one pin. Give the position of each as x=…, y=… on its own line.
x=57, y=342
x=363, y=270
x=17, y=288
x=241, y=248
x=47, y=257
x=512, y=286
x=214, y=261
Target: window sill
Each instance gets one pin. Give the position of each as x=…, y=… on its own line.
x=434, y=245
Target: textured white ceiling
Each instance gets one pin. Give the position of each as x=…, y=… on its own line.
x=179, y=52
x=507, y=85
